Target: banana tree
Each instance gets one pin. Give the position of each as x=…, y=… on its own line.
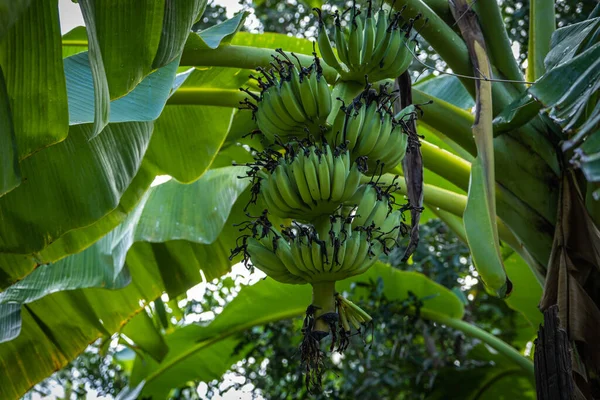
x=91, y=118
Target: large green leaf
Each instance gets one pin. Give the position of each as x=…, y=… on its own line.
x=10, y=11
x=569, y=91
x=125, y=58
x=188, y=137
x=61, y=325
x=447, y=88
x=104, y=260
x=71, y=185
x=205, y=353
x=75, y=41
x=144, y=103
x=178, y=20
x=10, y=173
x=14, y=267
x=30, y=57
x=101, y=265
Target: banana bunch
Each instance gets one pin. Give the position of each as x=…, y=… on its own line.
x=379, y=46
x=294, y=101
x=310, y=183
x=307, y=254
x=368, y=128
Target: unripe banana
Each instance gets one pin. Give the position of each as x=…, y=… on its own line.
x=310, y=174
x=324, y=176
x=265, y=260
x=339, y=180
x=368, y=200
x=325, y=44
x=284, y=252
x=290, y=102
x=317, y=256
x=368, y=37
x=298, y=171
x=309, y=98
x=352, y=181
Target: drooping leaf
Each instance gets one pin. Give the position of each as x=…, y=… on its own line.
x=75, y=41
x=542, y=23
x=101, y=265
x=516, y=114
x=14, y=267
x=10, y=172
x=144, y=103
x=10, y=11
x=101, y=104
x=205, y=353
x=126, y=58
x=187, y=138
x=142, y=331
x=480, y=213
x=569, y=91
x=59, y=326
x=220, y=34
x=178, y=20
x=71, y=185
x=30, y=58
x=447, y=88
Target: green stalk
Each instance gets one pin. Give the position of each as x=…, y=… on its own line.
x=452, y=121
x=445, y=164
x=496, y=343
x=243, y=57
x=542, y=24
x=497, y=42
x=207, y=97
x=324, y=300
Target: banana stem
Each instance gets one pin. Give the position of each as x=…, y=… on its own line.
x=243, y=57
x=324, y=301
x=207, y=97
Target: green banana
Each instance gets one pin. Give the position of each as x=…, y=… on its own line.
x=289, y=195
x=369, y=133
x=317, y=257
x=352, y=182
x=265, y=260
x=340, y=41
x=324, y=97
x=310, y=174
x=324, y=177
x=309, y=102
x=284, y=252
x=290, y=102
x=354, y=41
x=314, y=89
x=339, y=179
x=298, y=171
x=368, y=37
x=325, y=44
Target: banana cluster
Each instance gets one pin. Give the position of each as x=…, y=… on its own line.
x=310, y=183
x=379, y=46
x=294, y=101
x=369, y=129
x=345, y=244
